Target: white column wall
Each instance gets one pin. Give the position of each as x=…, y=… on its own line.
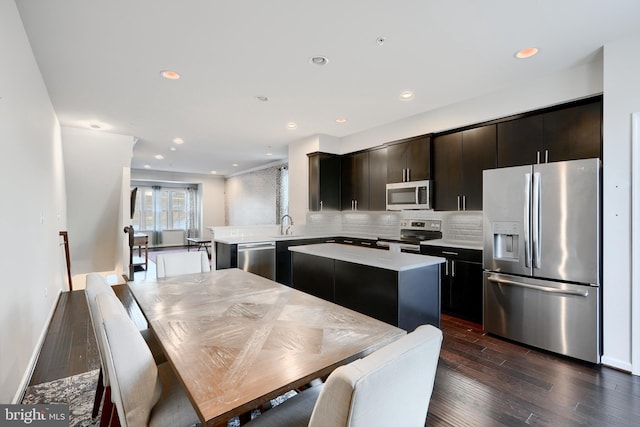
x=622, y=98
x=33, y=210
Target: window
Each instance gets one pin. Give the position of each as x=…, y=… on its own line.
x=165, y=208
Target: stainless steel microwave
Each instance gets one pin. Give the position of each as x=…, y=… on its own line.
x=409, y=195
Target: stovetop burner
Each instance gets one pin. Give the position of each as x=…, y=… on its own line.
x=414, y=231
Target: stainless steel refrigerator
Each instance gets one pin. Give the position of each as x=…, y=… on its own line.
x=542, y=256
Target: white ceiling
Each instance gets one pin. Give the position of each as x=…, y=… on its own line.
x=101, y=62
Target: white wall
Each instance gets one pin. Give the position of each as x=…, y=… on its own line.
x=211, y=187
x=33, y=208
x=299, y=177
x=555, y=89
x=622, y=98
x=94, y=162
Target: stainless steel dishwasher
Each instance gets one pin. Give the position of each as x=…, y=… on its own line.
x=258, y=258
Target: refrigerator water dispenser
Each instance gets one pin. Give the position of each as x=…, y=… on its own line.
x=505, y=241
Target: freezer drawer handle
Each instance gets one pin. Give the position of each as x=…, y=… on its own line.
x=539, y=288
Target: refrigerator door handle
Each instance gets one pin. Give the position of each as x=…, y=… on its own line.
x=539, y=288
x=536, y=220
x=527, y=220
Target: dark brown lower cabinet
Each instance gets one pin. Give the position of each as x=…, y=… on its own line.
x=461, y=278
x=405, y=299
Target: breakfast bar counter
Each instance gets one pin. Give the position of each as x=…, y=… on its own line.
x=398, y=288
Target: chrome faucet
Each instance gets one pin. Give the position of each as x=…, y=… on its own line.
x=282, y=231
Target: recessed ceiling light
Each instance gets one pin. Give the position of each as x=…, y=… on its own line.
x=527, y=52
x=341, y=120
x=159, y=156
x=213, y=172
x=269, y=154
x=147, y=166
x=170, y=74
x=407, y=95
x=319, y=60
x=262, y=98
x=292, y=125
x=178, y=141
x=235, y=165
x=172, y=148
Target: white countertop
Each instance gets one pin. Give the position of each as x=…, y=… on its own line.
x=234, y=240
x=454, y=244
x=397, y=261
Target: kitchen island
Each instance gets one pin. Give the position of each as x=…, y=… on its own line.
x=401, y=289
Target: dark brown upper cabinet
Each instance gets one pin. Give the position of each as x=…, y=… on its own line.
x=409, y=160
x=458, y=161
x=573, y=133
x=520, y=141
x=355, y=181
x=565, y=133
x=378, y=179
x=324, y=181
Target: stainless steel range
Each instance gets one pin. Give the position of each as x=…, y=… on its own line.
x=412, y=232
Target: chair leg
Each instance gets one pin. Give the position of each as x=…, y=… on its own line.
x=107, y=409
x=115, y=420
x=98, y=398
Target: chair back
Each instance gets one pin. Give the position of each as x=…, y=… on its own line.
x=391, y=386
x=95, y=285
x=135, y=385
x=168, y=265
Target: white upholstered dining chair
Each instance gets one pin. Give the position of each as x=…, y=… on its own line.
x=175, y=264
x=390, y=387
x=144, y=394
x=97, y=284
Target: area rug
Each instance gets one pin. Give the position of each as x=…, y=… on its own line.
x=78, y=391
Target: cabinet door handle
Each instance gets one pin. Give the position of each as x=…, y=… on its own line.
x=546, y=156
x=458, y=202
x=350, y=242
x=356, y=204
x=453, y=268
x=366, y=243
x=464, y=203
x=321, y=205
x=446, y=267
x=404, y=175
x=449, y=253
x=537, y=157
x=408, y=174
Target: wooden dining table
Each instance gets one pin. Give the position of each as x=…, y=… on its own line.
x=236, y=340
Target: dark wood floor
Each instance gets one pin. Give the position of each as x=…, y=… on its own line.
x=481, y=380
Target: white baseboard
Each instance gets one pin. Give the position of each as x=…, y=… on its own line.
x=616, y=364
x=34, y=357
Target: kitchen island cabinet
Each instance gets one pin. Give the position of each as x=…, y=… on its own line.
x=398, y=288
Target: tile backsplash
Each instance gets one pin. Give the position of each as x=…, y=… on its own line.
x=463, y=226
x=456, y=226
